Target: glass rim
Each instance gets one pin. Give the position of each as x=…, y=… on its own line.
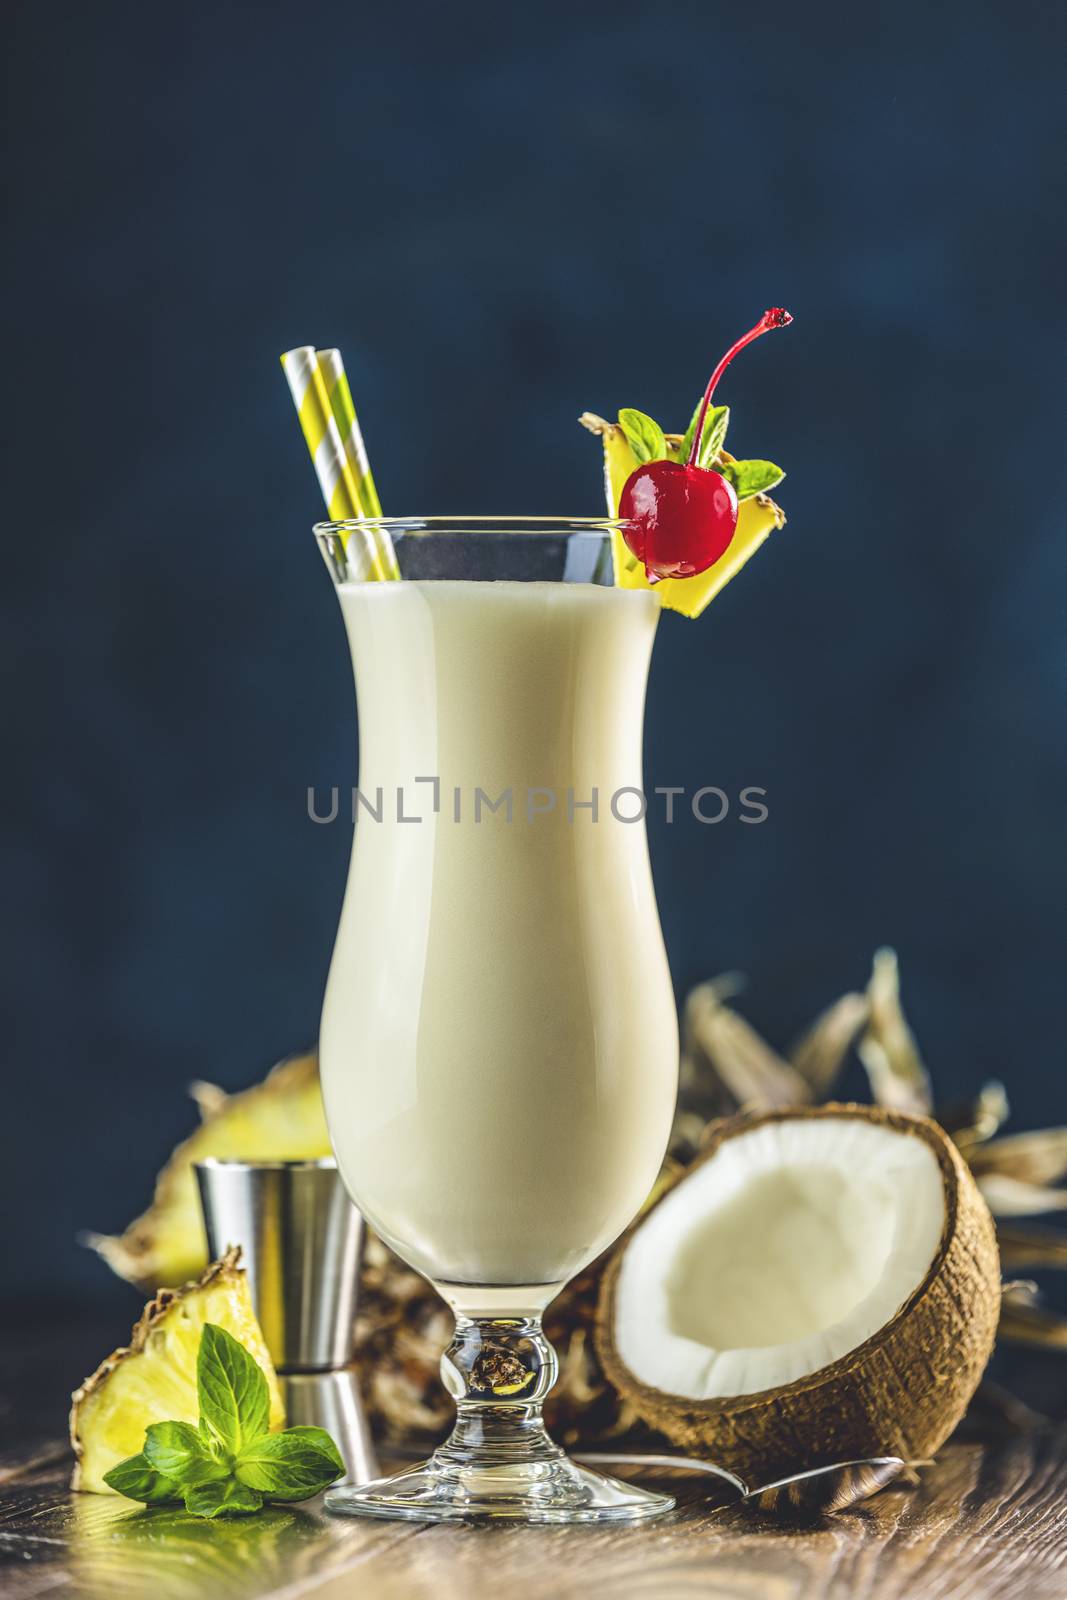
x=596, y=527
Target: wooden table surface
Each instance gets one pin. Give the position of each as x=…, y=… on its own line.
x=989, y=1519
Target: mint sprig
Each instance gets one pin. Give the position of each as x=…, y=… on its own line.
x=714, y=435
x=230, y=1464
x=648, y=443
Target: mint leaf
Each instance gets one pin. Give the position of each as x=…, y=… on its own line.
x=687, y=437
x=234, y=1398
x=645, y=437
x=225, y=1498
x=180, y=1452
x=714, y=434
x=292, y=1465
x=138, y=1480
x=751, y=477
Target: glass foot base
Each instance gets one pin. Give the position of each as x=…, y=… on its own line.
x=541, y=1491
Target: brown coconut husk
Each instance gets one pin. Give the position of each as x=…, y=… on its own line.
x=901, y=1392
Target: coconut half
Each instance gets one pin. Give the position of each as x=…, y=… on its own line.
x=823, y=1284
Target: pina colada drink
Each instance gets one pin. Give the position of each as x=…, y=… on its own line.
x=499, y=1043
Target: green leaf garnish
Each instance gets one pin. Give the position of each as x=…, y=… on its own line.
x=645, y=436
x=230, y=1464
x=751, y=477
x=234, y=1398
x=225, y=1498
x=714, y=434
x=687, y=437
x=180, y=1452
x=292, y=1465
x=138, y=1480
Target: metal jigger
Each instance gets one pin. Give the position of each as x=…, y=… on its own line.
x=301, y=1239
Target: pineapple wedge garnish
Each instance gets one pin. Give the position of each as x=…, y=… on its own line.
x=153, y=1379
x=756, y=519
x=280, y=1119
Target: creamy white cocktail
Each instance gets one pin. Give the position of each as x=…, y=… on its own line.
x=499, y=1044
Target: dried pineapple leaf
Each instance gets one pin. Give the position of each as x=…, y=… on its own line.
x=976, y=1120
x=1023, y=1322
x=1039, y=1157
x=401, y=1331
x=1011, y=1197
x=580, y=1377
x=595, y=424
x=1027, y=1248
x=1019, y=1291
x=701, y=1092
x=899, y=1081
x=410, y=1408
x=755, y=1076
x=208, y=1097
x=820, y=1053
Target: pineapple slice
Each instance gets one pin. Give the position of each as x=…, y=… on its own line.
x=280, y=1119
x=756, y=518
x=154, y=1378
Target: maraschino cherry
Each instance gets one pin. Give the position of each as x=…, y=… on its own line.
x=680, y=518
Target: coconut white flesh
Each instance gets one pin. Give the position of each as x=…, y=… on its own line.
x=784, y=1251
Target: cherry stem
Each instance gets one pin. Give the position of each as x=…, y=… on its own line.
x=776, y=317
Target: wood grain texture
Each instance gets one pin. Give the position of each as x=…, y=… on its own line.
x=988, y=1521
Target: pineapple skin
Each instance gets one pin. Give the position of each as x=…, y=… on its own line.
x=153, y=1378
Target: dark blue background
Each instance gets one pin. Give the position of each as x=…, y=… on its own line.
x=504, y=215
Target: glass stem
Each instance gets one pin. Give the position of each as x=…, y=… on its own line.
x=498, y=1370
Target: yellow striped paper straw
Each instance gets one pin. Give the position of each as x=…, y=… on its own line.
x=333, y=375
x=326, y=448
x=332, y=367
